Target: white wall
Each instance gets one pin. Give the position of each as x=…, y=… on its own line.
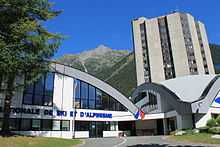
x=81, y=134
x=201, y=119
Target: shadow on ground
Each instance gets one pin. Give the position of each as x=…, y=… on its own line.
x=163, y=145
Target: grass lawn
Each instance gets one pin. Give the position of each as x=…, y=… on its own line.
x=21, y=141
x=196, y=138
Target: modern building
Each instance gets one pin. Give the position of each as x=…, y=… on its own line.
x=170, y=46
x=180, y=103
x=69, y=103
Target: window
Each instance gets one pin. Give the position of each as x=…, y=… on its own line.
x=112, y=104
x=81, y=125
x=48, y=94
x=106, y=126
x=77, y=103
x=36, y=124
x=113, y=126
x=84, y=95
x=14, y=124
x=56, y=125
x=105, y=101
x=152, y=101
x=40, y=92
x=84, y=90
x=65, y=125
x=25, y=124
x=28, y=98
x=98, y=99
x=77, y=88
x=91, y=97
x=84, y=103
x=46, y=125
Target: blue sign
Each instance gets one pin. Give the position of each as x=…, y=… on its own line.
x=217, y=100
x=95, y=114
x=59, y=112
x=218, y=66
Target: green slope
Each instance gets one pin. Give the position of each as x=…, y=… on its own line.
x=122, y=75
x=215, y=51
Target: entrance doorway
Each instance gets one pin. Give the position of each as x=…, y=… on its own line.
x=160, y=128
x=127, y=126
x=96, y=129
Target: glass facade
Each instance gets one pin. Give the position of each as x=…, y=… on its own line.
x=147, y=73
x=28, y=124
x=202, y=48
x=40, y=92
x=189, y=45
x=95, y=128
x=90, y=97
x=169, y=70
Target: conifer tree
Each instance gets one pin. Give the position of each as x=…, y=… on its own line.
x=25, y=45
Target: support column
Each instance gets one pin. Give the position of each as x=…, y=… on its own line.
x=165, y=126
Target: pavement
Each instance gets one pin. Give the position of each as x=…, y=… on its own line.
x=137, y=141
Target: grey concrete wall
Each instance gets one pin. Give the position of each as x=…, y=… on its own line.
x=138, y=51
x=196, y=45
x=155, y=51
x=206, y=48
x=178, y=45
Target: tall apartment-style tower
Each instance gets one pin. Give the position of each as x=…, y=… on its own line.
x=170, y=46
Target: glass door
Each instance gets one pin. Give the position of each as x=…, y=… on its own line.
x=92, y=130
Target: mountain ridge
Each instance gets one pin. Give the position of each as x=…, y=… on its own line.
x=120, y=70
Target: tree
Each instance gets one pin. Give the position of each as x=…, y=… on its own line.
x=25, y=44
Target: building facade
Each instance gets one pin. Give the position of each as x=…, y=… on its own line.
x=175, y=104
x=69, y=103
x=170, y=46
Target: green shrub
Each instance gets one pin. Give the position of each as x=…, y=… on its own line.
x=188, y=131
x=211, y=123
x=218, y=120
x=214, y=130
x=204, y=129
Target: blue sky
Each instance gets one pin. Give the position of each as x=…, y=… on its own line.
x=88, y=23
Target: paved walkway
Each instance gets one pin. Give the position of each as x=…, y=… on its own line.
x=139, y=141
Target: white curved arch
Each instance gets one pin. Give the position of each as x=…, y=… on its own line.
x=71, y=72
x=188, y=88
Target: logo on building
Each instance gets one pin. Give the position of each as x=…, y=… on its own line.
x=217, y=100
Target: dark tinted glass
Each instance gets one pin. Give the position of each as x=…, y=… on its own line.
x=38, y=99
x=98, y=99
x=48, y=100
x=41, y=92
x=84, y=103
x=25, y=124
x=91, y=104
x=91, y=92
x=84, y=90
x=46, y=125
x=49, y=84
x=105, y=101
x=82, y=125
x=77, y=88
x=14, y=124
x=28, y=98
x=39, y=86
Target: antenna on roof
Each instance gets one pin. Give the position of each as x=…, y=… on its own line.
x=176, y=9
